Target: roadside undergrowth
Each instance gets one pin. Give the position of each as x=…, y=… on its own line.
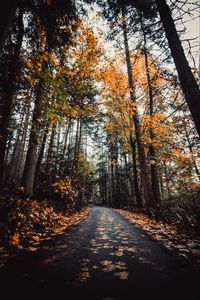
x=27, y=223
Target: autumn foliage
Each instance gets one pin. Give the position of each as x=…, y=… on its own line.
x=83, y=122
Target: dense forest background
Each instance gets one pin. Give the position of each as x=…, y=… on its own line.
x=99, y=105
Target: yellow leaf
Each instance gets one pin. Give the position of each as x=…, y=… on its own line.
x=15, y=239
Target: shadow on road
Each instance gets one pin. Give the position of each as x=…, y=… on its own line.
x=104, y=257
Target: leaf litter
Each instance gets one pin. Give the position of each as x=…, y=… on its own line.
x=170, y=235
x=29, y=222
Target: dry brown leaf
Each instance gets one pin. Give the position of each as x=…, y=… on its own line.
x=15, y=239
x=106, y=263
x=119, y=253
x=110, y=268
x=122, y=275
x=84, y=276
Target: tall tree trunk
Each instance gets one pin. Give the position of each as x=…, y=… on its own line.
x=186, y=77
x=58, y=144
x=8, y=91
x=152, y=151
x=78, y=143
x=109, y=190
x=41, y=152
x=146, y=182
x=51, y=145
x=20, y=166
x=32, y=157
x=69, y=152
x=161, y=185
x=167, y=180
x=11, y=172
x=127, y=186
x=117, y=180
x=114, y=174
x=113, y=193
x=190, y=147
x=135, y=174
x=66, y=136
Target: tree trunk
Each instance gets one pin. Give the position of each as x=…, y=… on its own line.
x=32, y=157
x=51, y=145
x=146, y=182
x=41, y=152
x=113, y=193
x=69, y=153
x=14, y=161
x=167, y=180
x=20, y=165
x=152, y=151
x=187, y=80
x=109, y=189
x=127, y=187
x=78, y=143
x=135, y=174
x=190, y=147
x=58, y=143
x=66, y=137
x=117, y=180
x=8, y=91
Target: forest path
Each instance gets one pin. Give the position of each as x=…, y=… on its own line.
x=104, y=257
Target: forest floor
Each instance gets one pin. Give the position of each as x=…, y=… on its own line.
x=26, y=223
x=105, y=256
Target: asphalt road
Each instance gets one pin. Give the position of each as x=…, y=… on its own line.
x=105, y=257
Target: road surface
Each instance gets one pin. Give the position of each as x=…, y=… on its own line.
x=105, y=257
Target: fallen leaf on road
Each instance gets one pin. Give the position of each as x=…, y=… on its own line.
x=84, y=276
x=122, y=275
x=95, y=267
x=110, y=268
x=106, y=263
x=172, y=236
x=119, y=253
